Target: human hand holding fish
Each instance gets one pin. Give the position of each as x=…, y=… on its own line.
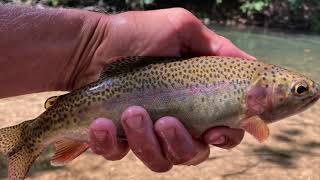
x=169, y=32
x=201, y=92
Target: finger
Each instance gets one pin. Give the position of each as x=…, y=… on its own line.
x=104, y=141
x=224, y=47
x=224, y=137
x=197, y=39
x=177, y=143
x=203, y=153
x=216, y=45
x=142, y=139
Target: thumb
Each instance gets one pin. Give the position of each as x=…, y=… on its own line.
x=197, y=39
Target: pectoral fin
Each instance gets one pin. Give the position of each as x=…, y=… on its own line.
x=67, y=150
x=256, y=127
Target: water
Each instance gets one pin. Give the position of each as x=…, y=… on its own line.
x=295, y=51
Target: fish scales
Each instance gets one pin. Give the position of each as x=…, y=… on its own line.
x=202, y=92
x=170, y=88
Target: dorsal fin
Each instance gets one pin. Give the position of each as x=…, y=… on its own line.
x=126, y=64
x=50, y=101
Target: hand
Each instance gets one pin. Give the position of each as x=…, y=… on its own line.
x=169, y=32
x=158, y=146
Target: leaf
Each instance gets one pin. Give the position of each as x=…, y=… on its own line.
x=148, y=1
x=258, y=6
x=219, y=1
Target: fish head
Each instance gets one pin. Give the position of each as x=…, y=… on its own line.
x=284, y=93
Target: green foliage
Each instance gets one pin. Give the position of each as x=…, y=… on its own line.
x=299, y=14
x=143, y=3
x=295, y=4
x=315, y=22
x=147, y=1
x=254, y=5
x=296, y=9
x=57, y=2
x=67, y=3
x=219, y=1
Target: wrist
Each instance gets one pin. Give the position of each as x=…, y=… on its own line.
x=114, y=41
x=91, y=34
x=123, y=36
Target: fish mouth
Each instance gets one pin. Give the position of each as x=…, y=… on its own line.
x=314, y=98
x=308, y=101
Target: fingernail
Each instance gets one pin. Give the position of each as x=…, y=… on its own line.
x=218, y=140
x=169, y=133
x=99, y=121
x=134, y=122
x=101, y=136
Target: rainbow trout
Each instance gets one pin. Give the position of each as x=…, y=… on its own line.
x=202, y=92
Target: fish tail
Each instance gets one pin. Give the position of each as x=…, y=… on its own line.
x=11, y=136
x=21, y=154
x=20, y=161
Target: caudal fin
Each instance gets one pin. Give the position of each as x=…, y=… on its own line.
x=21, y=154
x=10, y=136
x=20, y=161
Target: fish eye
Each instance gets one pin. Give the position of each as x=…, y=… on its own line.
x=300, y=88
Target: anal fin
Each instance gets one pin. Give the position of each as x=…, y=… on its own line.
x=67, y=150
x=256, y=127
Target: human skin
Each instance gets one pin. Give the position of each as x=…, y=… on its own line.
x=63, y=49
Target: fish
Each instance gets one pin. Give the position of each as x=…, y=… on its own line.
x=202, y=92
